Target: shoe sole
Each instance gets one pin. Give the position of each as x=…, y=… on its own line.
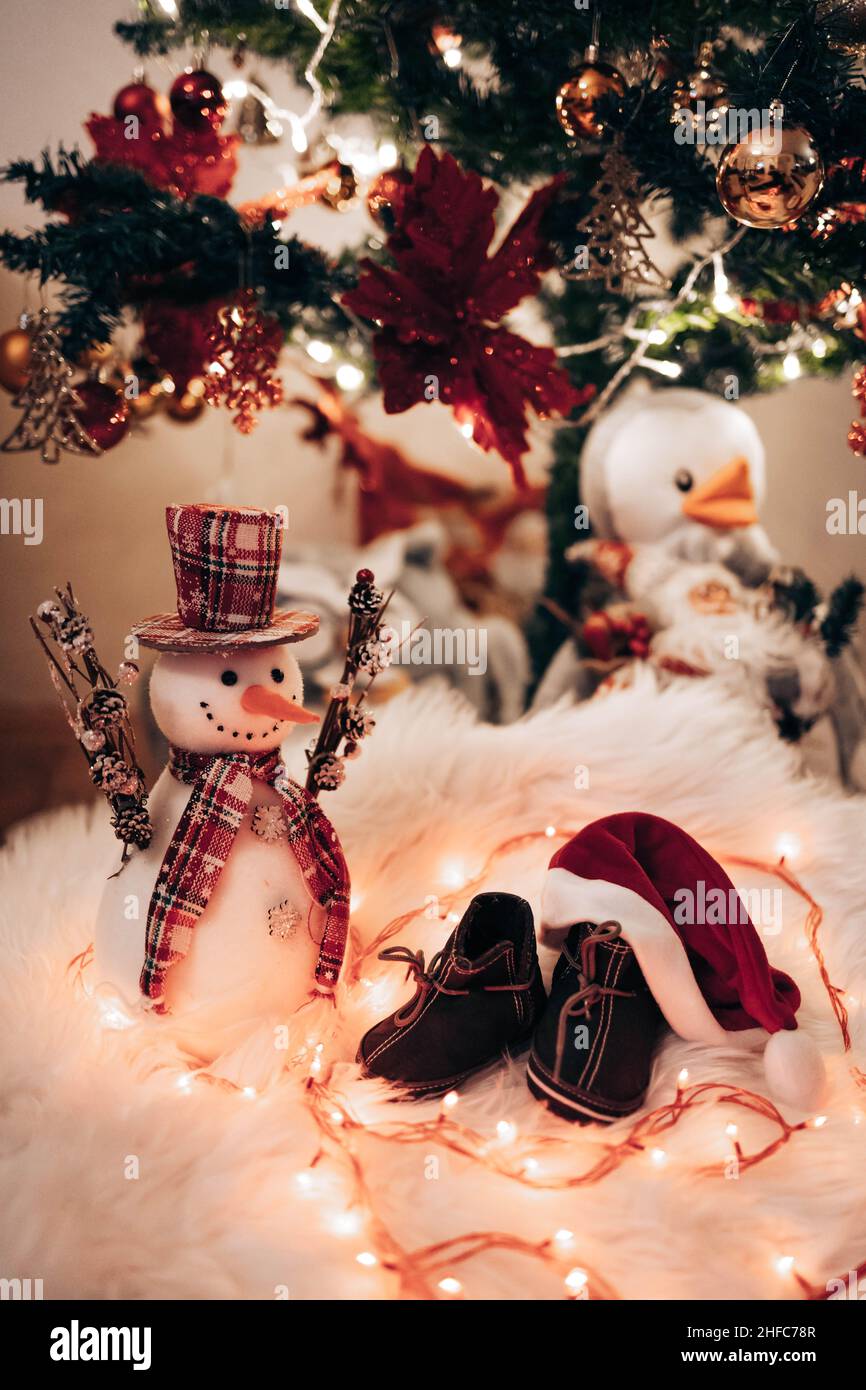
x=564, y=1105
x=429, y=1090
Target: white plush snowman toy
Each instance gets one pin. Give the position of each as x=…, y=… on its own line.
x=682, y=469
x=236, y=914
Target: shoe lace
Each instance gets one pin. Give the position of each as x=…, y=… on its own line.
x=427, y=980
x=584, y=999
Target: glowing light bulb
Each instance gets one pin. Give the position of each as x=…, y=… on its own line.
x=731, y=1131
x=184, y=1083
x=249, y=1092
x=550, y=831
x=467, y=429
x=452, y=57
x=563, y=1236
x=507, y=1131
x=791, y=366
x=349, y=378
x=576, y=1280
x=783, y=1264
x=450, y=1285
x=658, y=1158
x=787, y=845
x=819, y=348
x=336, y=1117
x=819, y=1121
x=305, y=1179
x=664, y=368
x=386, y=154
x=452, y=873
x=367, y=1258
x=319, y=351
x=683, y=1076
x=345, y=1223
x=450, y=1100
x=530, y=1165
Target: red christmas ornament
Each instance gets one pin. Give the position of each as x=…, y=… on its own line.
x=858, y=388
x=386, y=195
x=178, y=336
x=197, y=100
x=183, y=161
x=244, y=347
x=138, y=99
x=103, y=412
x=439, y=311
x=857, y=438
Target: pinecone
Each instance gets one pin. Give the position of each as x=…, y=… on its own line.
x=111, y=773
x=372, y=657
x=103, y=709
x=364, y=597
x=73, y=633
x=356, y=723
x=131, y=824
x=328, y=772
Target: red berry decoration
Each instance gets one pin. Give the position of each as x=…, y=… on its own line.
x=197, y=100
x=140, y=100
x=103, y=412
x=858, y=388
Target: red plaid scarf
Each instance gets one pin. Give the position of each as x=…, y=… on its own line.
x=201, y=844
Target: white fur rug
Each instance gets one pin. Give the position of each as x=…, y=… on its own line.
x=126, y=1177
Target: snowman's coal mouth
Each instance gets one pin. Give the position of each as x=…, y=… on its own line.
x=240, y=733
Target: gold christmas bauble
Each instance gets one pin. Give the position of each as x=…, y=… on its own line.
x=845, y=22
x=341, y=188
x=771, y=178
x=579, y=96
x=188, y=407
x=14, y=359
x=96, y=355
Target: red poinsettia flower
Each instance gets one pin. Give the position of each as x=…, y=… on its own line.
x=439, y=311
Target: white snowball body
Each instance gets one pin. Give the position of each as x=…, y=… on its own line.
x=236, y=975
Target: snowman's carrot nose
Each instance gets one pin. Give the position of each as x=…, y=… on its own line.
x=257, y=699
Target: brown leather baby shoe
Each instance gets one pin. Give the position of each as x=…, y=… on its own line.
x=480, y=996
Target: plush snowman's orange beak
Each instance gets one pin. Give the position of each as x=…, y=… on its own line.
x=725, y=499
x=257, y=699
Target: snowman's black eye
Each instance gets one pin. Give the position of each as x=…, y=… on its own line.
x=684, y=480
x=229, y=677
x=277, y=675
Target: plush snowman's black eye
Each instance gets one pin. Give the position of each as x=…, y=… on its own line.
x=684, y=480
x=229, y=677
x=277, y=675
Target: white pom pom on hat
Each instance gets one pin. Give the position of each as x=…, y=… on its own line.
x=711, y=979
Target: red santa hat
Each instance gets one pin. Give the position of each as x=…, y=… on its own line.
x=710, y=978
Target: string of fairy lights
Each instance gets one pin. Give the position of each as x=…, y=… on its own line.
x=337, y=1177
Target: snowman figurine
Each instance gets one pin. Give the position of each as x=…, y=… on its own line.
x=237, y=912
x=682, y=469
x=678, y=470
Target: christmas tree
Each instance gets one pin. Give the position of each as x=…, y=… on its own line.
x=630, y=111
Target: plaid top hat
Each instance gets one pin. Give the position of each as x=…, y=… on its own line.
x=225, y=567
